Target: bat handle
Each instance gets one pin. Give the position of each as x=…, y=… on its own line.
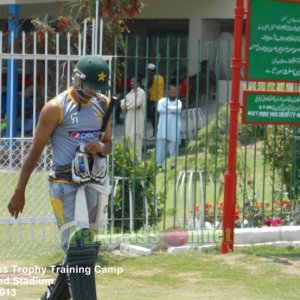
x=81, y=148
x=101, y=137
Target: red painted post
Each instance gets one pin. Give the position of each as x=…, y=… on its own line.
x=230, y=175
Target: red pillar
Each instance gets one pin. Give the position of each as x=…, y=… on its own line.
x=230, y=175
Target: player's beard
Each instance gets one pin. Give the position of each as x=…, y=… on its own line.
x=84, y=97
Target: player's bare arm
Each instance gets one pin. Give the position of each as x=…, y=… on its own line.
x=102, y=147
x=49, y=118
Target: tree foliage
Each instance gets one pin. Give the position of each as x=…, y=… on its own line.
x=71, y=21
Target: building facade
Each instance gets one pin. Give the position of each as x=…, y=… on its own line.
x=195, y=20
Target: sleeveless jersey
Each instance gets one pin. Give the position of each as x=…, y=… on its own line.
x=77, y=126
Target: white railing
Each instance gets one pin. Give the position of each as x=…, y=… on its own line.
x=40, y=76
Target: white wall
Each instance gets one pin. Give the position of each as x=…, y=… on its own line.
x=188, y=8
x=194, y=10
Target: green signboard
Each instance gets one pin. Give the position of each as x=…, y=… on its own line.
x=271, y=107
x=273, y=40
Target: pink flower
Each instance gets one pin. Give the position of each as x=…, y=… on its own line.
x=268, y=221
x=276, y=222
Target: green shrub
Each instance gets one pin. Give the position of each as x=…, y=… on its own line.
x=249, y=134
x=216, y=136
x=212, y=142
x=283, y=152
x=138, y=177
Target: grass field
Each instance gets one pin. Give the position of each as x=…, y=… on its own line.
x=251, y=273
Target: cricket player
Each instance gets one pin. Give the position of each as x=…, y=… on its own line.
x=79, y=186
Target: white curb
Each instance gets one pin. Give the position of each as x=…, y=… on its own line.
x=179, y=249
x=136, y=250
x=266, y=235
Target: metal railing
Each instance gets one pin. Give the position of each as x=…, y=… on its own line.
x=148, y=199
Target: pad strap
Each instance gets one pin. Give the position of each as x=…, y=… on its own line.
x=59, y=290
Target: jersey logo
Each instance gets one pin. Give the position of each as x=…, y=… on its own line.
x=88, y=134
x=101, y=76
x=74, y=118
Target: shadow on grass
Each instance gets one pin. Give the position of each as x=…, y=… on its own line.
x=273, y=252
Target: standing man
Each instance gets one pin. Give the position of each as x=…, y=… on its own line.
x=78, y=180
x=156, y=86
x=169, y=126
x=206, y=85
x=134, y=105
x=204, y=76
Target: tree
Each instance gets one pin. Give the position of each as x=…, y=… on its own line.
x=72, y=18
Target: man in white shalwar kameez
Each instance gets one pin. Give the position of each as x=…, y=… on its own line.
x=169, y=127
x=134, y=105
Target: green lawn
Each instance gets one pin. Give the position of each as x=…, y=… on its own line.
x=254, y=175
x=251, y=273
x=253, y=160
x=37, y=194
